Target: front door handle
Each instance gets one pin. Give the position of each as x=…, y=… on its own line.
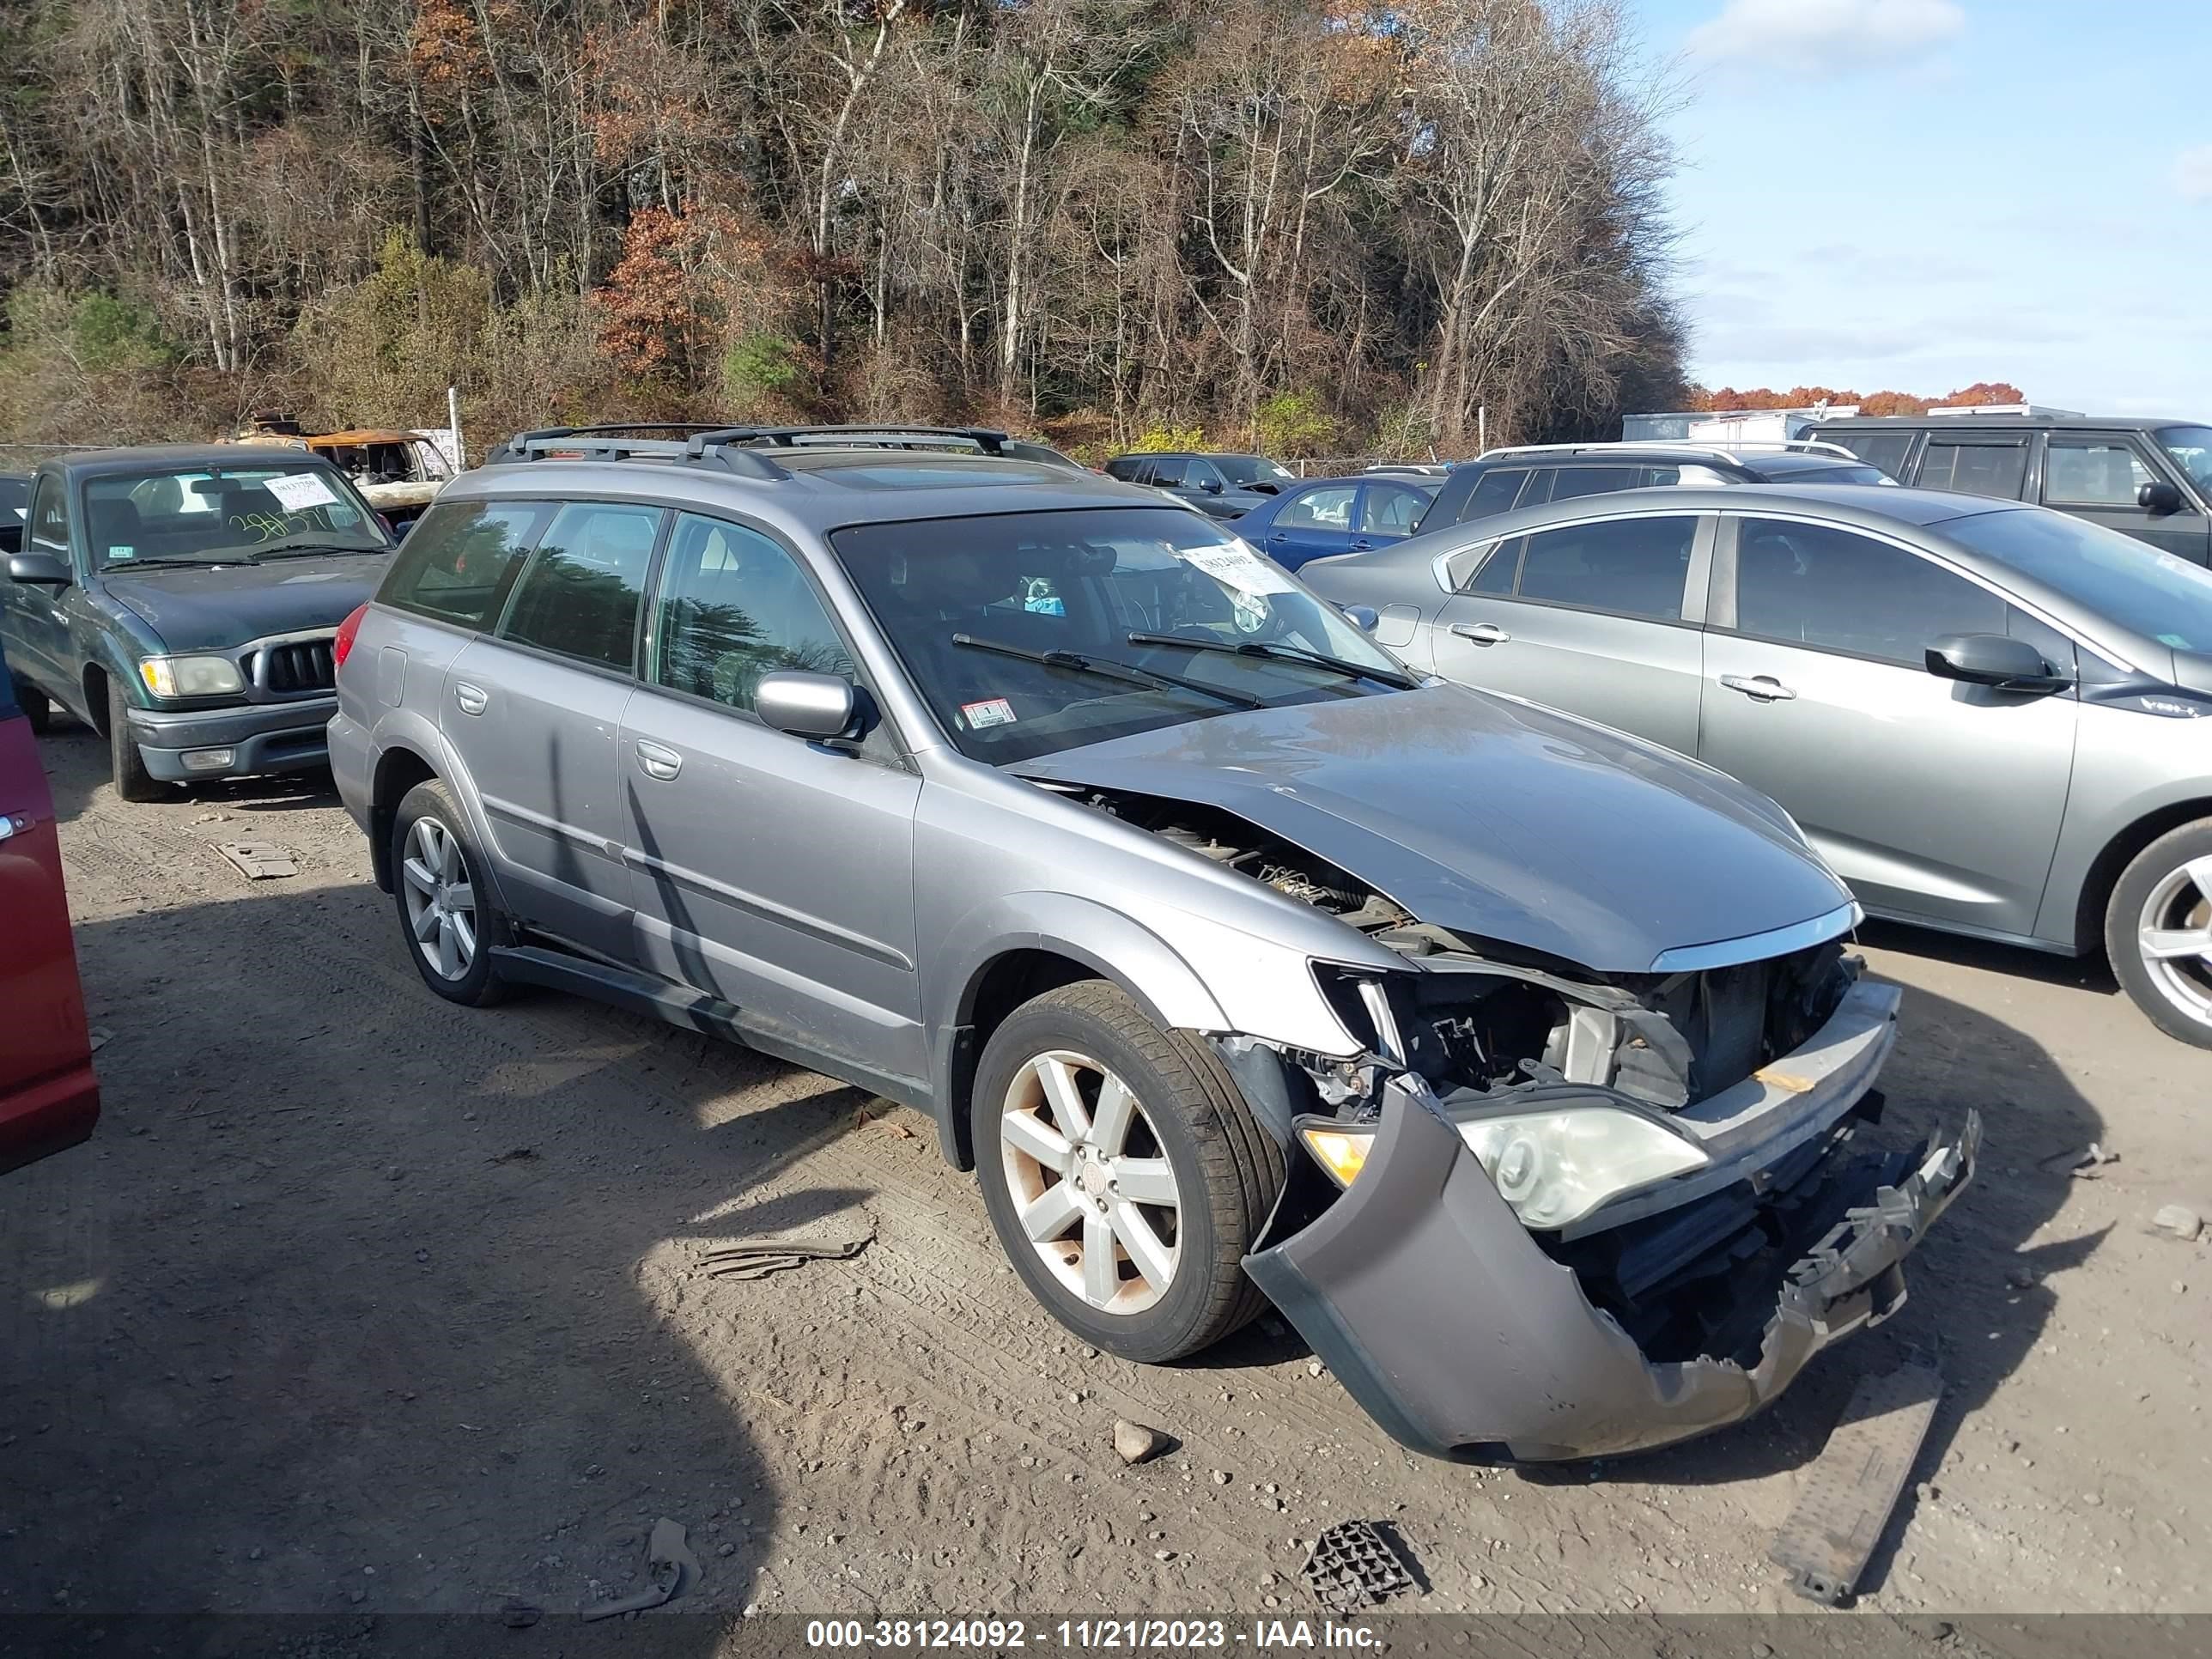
x=1482, y=633
x=471, y=698
x=1764, y=687
x=659, y=762
x=1361, y=544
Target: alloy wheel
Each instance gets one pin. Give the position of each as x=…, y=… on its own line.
x=2173, y=935
x=1093, y=1190
x=441, y=902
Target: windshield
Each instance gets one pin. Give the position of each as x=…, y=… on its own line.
x=1242, y=470
x=2191, y=447
x=225, y=515
x=2110, y=575
x=973, y=607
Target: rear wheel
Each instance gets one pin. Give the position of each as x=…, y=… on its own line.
x=2158, y=932
x=1123, y=1172
x=133, y=782
x=445, y=910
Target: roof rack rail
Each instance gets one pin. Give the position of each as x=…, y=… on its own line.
x=584, y=443
x=1718, y=451
x=989, y=440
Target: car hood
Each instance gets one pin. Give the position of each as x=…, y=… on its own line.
x=215, y=608
x=1492, y=819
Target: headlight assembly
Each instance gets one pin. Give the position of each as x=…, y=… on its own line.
x=190, y=676
x=1555, y=1167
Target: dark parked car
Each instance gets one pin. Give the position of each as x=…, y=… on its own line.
x=1221, y=486
x=1315, y=520
x=2146, y=477
x=1520, y=1064
x=1990, y=718
x=1504, y=480
x=49, y=1098
x=180, y=600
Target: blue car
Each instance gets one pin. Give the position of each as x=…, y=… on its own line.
x=1336, y=515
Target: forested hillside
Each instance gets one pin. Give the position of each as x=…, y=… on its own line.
x=1319, y=226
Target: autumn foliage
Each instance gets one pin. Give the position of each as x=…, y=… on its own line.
x=1729, y=400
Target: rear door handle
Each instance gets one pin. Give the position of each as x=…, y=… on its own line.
x=471, y=698
x=1482, y=633
x=1765, y=688
x=1361, y=544
x=659, y=762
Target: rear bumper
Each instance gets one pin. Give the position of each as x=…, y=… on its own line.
x=263, y=738
x=1444, y=1318
x=47, y=1116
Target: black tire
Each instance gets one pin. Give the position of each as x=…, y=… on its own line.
x=1227, y=1171
x=2157, y=890
x=38, y=709
x=479, y=984
x=133, y=782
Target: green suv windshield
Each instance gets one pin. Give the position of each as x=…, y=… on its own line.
x=225, y=515
x=2191, y=449
x=1031, y=633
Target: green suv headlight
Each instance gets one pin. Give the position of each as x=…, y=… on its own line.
x=190, y=676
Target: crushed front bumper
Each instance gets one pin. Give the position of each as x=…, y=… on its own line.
x=1445, y=1319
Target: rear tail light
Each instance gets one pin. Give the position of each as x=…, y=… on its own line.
x=342, y=645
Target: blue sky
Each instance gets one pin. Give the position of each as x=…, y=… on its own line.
x=1919, y=194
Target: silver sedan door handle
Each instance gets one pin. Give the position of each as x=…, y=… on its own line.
x=658, y=762
x=471, y=698
x=1764, y=687
x=1482, y=633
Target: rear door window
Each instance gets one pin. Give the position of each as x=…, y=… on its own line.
x=1328, y=508
x=1165, y=470
x=1629, y=567
x=1885, y=450
x=456, y=564
x=1569, y=482
x=1975, y=465
x=578, y=597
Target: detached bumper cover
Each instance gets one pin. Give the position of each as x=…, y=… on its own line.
x=1444, y=1318
x=266, y=737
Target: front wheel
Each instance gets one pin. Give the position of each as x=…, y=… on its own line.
x=2158, y=932
x=1123, y=1172
x=445, y=909
x=133, y=782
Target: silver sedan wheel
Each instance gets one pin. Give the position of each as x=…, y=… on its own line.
x=2174, y=936
x=1092, y=1189
x=441, y=902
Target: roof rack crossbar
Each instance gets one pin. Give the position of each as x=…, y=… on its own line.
x=593, y=443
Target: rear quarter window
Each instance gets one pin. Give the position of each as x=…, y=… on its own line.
x=457, y=562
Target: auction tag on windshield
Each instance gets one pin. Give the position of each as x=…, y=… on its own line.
x=1237, y=566
x=301, y=490
x=997, y=711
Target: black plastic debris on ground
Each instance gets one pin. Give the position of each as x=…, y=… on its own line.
x=1353, y=1566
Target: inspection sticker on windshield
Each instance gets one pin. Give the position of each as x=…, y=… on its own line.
x=1236, y=565
x=300, y=491
x=995, y=711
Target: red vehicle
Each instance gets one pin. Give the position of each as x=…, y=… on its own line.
x=49, y=1098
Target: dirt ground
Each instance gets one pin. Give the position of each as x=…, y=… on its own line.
x=361, y=1301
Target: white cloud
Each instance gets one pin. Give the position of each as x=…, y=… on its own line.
x=2192, y=173
x=1825, y=37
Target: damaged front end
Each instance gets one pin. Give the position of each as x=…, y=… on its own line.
x=1550, y=1212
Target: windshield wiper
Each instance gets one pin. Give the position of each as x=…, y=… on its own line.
x=168, y=561
x=301, y=550
x=1284, y=653
x=1075, y=663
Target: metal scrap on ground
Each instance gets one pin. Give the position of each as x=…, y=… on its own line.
x=1853, y=1485
x=668, y=1562
x=757, y=1258
x=258, y=860
x=1354, y=1566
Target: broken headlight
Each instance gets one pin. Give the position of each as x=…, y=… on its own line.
x=1555, y=1167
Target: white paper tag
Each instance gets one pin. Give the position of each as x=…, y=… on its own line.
x=301, y=490
x=1238, y=566
x=995, y=712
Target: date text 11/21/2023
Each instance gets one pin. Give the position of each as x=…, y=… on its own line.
x=1006, y=1635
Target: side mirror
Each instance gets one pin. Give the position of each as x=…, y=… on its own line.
x=812, y=706
x=38, y=570
x=1995, y=660
x=1211, y=486
x=2159, y=497
x=1361, y=617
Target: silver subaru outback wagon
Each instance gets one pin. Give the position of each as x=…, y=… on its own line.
x=1517, y=1061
